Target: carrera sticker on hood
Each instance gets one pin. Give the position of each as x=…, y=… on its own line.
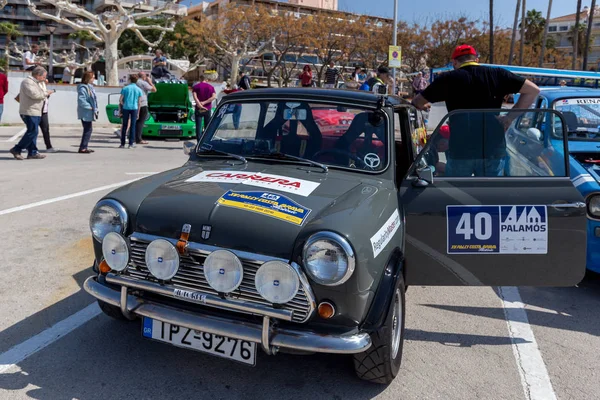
x=385, y=234
x=265, y=203
x=277, y=182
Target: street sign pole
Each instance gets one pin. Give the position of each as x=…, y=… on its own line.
x=394, y=41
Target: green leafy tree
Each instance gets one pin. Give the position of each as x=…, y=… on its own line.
x=10, y=30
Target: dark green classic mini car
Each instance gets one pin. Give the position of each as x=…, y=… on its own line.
x=302, y=216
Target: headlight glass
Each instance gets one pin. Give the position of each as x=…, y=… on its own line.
x=223, y=271
x=162, y=259
x=115, y=251
x=594, y=206
x=328, y=259
x=277, y=282
x=108, y=216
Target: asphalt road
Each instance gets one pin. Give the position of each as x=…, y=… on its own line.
x=458, y=342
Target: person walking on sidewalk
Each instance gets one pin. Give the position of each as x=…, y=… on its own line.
x=44, y=123
x=87, y=109
x=145, y=83
x=31, y=100
x=204, y=94
x=131, y=99
x=3, y=91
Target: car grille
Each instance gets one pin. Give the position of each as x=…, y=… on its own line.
x=191, y=277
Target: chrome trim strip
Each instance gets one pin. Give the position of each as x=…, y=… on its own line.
x=204, y=299
x=205, y=249
x=310, y=296
x=306, y=341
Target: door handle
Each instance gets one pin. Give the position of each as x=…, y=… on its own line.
x=558, y=206
x=522, y=142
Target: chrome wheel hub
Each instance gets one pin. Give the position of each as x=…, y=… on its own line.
x=396, y=324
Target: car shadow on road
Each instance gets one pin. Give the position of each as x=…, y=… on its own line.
x=570, y=308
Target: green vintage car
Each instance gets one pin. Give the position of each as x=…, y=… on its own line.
x=170, y=112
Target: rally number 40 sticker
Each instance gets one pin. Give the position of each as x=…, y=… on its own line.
x=497, y=229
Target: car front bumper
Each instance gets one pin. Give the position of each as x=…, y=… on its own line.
x=153, y=129
x=270, y=337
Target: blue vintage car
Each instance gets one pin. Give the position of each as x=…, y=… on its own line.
x=535, y=146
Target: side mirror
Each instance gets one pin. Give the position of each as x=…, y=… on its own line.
x=534, y=133
x=188, y=147
x=424, y=176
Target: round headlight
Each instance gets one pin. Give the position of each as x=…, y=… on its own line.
x=328, y=259
x=223, y=271
x=108, y=216
x=162, y=259
x=115, y=251
x=277, y=282
x=594, y=206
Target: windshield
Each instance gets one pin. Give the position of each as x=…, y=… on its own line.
x=582, y=116
x=283, y=131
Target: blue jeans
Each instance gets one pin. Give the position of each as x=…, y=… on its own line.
x=29, y=139
x=1, y=110
x=129, y=116
x=201, y=116
x=87, y=134
x=475, y=167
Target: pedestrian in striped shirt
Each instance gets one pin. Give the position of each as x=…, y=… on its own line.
x=332, y=75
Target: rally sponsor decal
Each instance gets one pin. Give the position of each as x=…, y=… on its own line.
x=579, y=101
x=269, y=204
x=497, y=229
x=385, y=234
x=277, y=182
x=582, y=179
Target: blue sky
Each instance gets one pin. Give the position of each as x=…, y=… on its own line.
x=421, y=11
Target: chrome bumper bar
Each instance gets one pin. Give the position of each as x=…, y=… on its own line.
x=270, y=337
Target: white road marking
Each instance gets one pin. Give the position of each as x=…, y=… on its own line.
x=17, y=135
x=66, y=197
x=532, y=369
x=20, y=352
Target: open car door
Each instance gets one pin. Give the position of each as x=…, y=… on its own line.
x=472, y=220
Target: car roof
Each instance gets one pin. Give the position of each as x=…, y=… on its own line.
x=558, y=92
x=358, y=97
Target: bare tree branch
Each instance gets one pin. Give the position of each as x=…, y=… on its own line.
x=146, y=41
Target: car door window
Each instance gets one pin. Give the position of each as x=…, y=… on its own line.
x=475, y=143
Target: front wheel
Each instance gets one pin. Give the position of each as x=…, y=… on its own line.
x=380, y=363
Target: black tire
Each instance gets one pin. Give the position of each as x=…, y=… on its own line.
x=112, y=311
x=377, y=364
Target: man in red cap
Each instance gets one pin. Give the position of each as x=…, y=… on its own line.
x=477, y=144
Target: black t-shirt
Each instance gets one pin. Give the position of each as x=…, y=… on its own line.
x=474, y=136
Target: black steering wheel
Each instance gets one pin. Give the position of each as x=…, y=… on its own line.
x=342, y=153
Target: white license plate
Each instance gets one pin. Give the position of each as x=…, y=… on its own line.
x=221, y=346
x=170, y=127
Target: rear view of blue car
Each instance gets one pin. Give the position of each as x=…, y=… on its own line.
x=580, y=109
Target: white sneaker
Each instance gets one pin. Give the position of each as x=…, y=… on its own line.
x=52, y=150
x=131, y=146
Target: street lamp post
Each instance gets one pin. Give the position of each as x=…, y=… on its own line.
x=394, y=42
x=51, y=28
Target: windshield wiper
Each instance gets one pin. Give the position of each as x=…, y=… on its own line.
x=205, y=151
x=283, y=156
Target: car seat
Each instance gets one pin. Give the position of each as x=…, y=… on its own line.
x=571, y=120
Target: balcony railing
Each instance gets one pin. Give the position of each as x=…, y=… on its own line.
x=145, y=5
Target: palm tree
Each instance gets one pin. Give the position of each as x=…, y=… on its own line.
x=588, y=37
x=514, y=34
x=491, y=31
x=522, y=49
x=576, y=36
x=545, y=37
x=534, y=27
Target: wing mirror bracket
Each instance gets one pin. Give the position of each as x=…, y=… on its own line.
x=424, y=177
x=188, y=148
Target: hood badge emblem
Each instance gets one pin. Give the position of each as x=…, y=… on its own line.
x=206, y=229
x=182, y=244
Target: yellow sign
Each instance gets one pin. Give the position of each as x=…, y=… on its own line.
x=395, y=56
